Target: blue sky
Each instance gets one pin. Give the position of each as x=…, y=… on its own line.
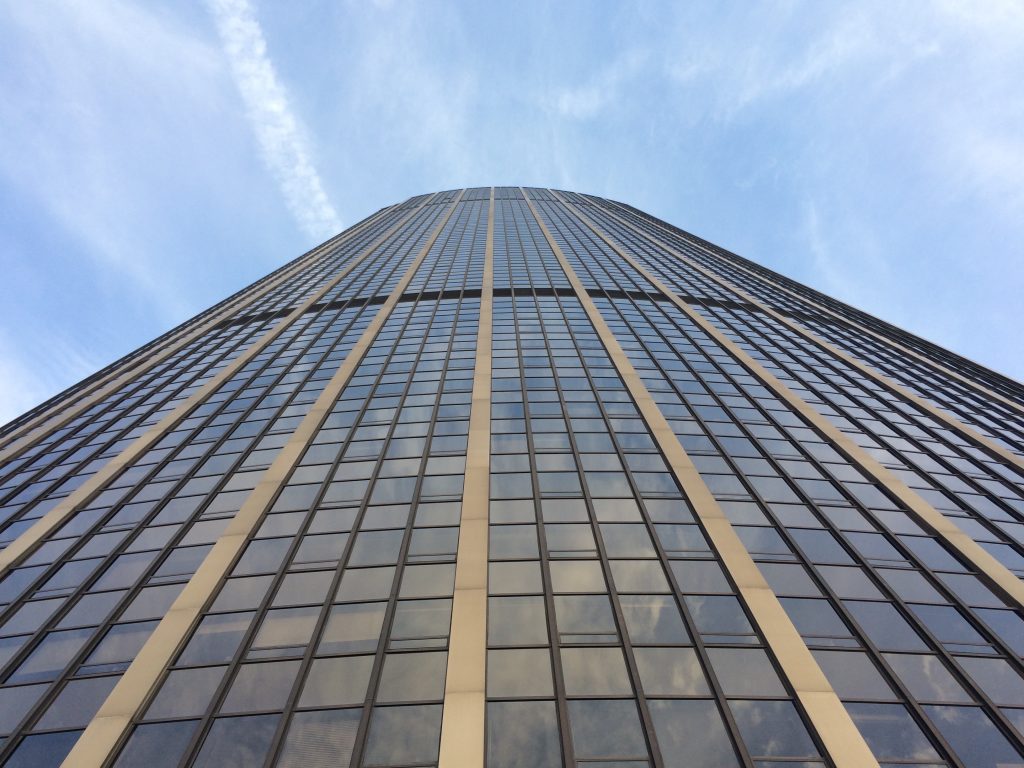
x=155, y=157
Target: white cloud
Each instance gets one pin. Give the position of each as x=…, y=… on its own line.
x=27, y=378
x=282, y=140
x=588, y=100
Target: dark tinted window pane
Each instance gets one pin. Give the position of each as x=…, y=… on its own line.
x=595, y=672
x=77, y=703
x=412, y=677
x=523, y=734
x=584, y=614
x=671, y=672
x=121, y=643
x=1001, y=683
x=160, y=745
x=926, y=677
x=259, y=687
x=336, y=682
x=885, y=627
x=352, y=628
x=519, y=672
x=216, y=639
x=852, y=675
x=320, y=739
x=16, y=702
x=772, y=729
x=400, y=735
x=691, y=734
x=186, y=693
x=745, y=672
x=516, y=621
x=718, y=615
x=606, y=729
x=46, y=661
x=46, y=750
x=974, y=738
x=237, y=742
x=653, y=619
x=890, y=732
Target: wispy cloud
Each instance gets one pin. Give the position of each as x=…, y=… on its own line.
x=281, y=137
x=588, y=100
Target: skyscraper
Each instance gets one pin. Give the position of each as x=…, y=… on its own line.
x=511, y=478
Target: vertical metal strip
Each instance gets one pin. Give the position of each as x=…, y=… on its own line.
x=1005, y=582
x=22, y=545
x=104, y=733
x=947, y=418
x=44, y=423
x=841, y=738
x=463, y=717
x=977, y=386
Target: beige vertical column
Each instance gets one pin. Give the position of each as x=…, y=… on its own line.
x=63, y=411
x=462, y=723
x=845, y=320
x=945, y=417
x=836, y=730
x=104, y=733
x=56, y=516
x=1008, y=585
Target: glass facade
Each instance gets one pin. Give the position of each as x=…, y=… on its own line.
x=515, y=478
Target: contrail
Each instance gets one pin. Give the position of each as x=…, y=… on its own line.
x=280, y=135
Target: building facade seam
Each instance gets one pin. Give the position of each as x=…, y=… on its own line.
x=464, y=710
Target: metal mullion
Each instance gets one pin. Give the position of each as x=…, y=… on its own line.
x=969, y=404
x=879, y=375
x=247, y=296
x=602, y=554
x=391, y=603
x=554, y=643
x=884, y=588
x=206, y=720
x=97, y=452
